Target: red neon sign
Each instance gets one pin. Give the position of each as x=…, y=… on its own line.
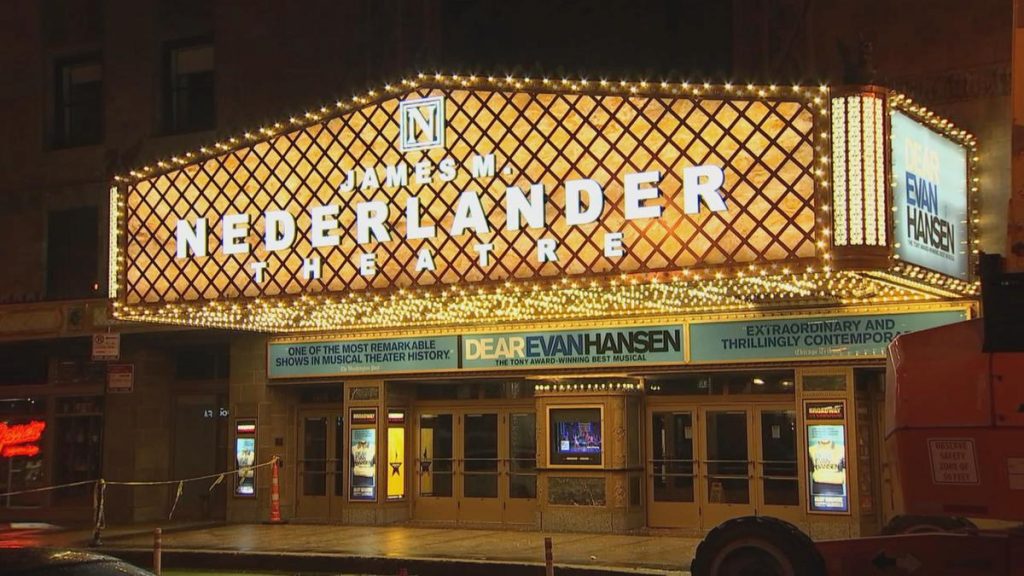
x=18, y=439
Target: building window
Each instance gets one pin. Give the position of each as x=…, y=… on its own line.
x=78, y=444
x=188, y=88
x=71, y=254
x=207, y=362
x=78, y=102
x=23, y=363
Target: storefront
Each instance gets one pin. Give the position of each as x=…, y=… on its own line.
x=561, y=304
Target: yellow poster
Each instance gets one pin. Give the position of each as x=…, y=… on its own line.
x=396, y=462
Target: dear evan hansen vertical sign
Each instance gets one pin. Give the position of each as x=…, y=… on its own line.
x=930, y=198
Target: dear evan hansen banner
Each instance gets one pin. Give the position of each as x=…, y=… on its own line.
x=930, y=197
x=574, y=348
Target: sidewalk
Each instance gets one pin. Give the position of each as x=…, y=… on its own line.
x=384, y=548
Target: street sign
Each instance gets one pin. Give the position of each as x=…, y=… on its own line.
x=120, y=378
x=106, y=346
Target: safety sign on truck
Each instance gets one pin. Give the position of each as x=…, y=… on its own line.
x=954, y=460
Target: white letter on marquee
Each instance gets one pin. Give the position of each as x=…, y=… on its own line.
x=188, y=237
x=278, y=230
x=323, y=219
x=413, y=229
x=710, y=189
x=424, y=260
x=370, y=216
x=311, y=268
x=483, y=165
x=469, y=214
x=546, y=250
x=367, y=264
x=574, y=216
x=395, y=176
x=423, y=172
x=483, y=250
x=518, y=208
x=257, y=271
x=370, y=180
x=349, y=183
x=635, y=195
x=446, y=169
x=613, y=245
x=235, y=227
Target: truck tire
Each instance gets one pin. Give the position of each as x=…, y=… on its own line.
x=927, y=525
x=757, y=546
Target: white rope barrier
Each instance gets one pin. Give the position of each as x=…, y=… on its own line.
x=100, y=491
x=219, y=476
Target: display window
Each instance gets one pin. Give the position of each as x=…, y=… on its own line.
x=576, y=436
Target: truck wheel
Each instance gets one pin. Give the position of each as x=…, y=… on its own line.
x=757, y=546
x=927, y=525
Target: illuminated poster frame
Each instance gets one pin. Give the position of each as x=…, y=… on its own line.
x=827, y=453
x=245, y=458
x=362, y=470
x=396, y=454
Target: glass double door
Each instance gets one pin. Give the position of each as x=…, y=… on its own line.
x=709, y=464
x=321, y=465
x=476, y=466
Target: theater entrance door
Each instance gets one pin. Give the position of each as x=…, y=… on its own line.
x=321, y=465
x=475, y=466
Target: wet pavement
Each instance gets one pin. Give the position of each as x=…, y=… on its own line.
x=418, y=547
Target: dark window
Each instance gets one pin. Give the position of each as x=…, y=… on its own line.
x=71, y=254
x=723, y=383
x=78, y=102
x=207, y=362
x=188, y=88
x=23, y=363
x=78, y=445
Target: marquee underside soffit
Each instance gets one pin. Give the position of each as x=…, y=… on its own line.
x=562, y=301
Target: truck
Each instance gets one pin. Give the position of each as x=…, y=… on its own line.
x=954, y=432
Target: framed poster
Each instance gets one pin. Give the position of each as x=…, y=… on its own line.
x=396, y=455
x=828, y=485
x=575, y=436
x=245, y=458
x=362, y=461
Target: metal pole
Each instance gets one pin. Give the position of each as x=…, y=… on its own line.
x=549, y=564
x=157, y=545
x=99, y=494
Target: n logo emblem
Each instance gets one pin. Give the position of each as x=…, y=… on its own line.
x=422, y=124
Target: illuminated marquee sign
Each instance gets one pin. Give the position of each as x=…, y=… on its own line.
x=930, y=197
x=438, y=185
x=20, y=439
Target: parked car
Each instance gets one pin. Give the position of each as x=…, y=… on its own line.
x=62, y=562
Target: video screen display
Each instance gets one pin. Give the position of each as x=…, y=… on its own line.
x=576, y=436
x=579, y=437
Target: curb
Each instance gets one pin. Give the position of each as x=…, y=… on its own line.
x=305, y=562
x=114, y=535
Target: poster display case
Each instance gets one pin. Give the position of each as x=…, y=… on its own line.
x=363, y=455
x=828, y=476
x=245, y=457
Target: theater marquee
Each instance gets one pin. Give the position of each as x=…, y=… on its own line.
x=369, y=213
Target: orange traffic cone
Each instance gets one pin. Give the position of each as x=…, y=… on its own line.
x=275, y=494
